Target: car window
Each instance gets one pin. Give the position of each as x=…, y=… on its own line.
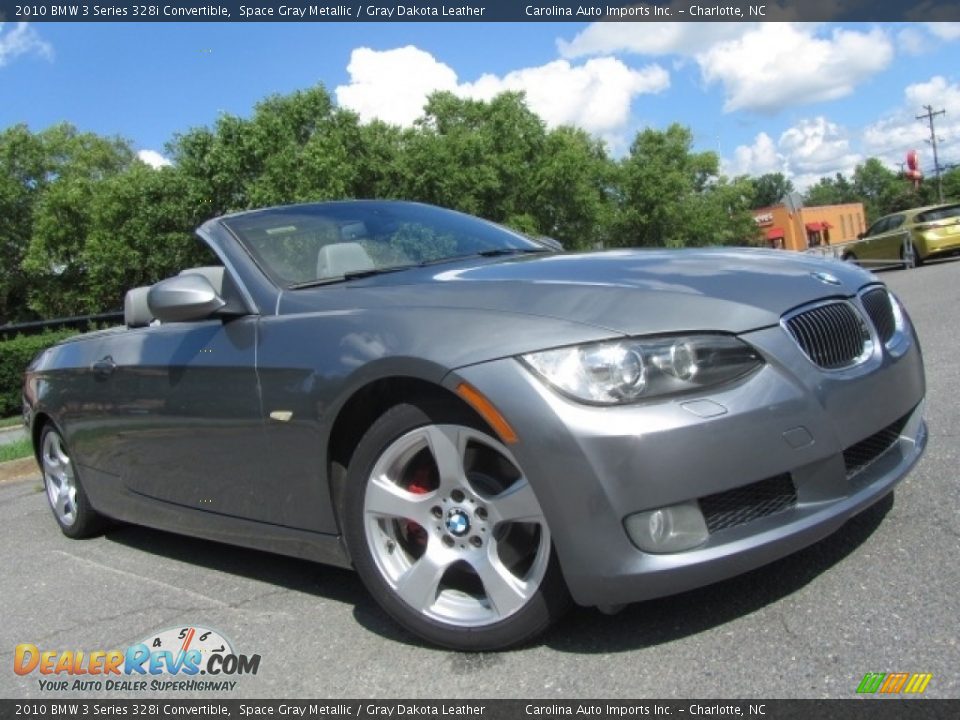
x=878, y=227
x=895, y=221
x=300, y=244
x=943, y=213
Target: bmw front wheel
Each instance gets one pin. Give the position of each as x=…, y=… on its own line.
x=64, y=491
x=447, y=533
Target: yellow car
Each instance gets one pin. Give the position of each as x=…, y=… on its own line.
x=910, y=237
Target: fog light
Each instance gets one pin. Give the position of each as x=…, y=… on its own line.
x=669, y=529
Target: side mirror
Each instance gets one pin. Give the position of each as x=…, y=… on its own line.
x=861, y=236
x=182, y=298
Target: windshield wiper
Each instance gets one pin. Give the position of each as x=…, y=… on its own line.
x=351, y=275
x=494, y=252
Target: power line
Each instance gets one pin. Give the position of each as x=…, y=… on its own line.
x=930, y=114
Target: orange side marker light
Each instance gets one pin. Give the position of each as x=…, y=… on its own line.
x=488, y=412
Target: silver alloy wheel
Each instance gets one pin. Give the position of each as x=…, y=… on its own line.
x=470, y=551
x=59, y=479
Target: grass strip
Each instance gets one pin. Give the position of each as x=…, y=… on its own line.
x=16, y=450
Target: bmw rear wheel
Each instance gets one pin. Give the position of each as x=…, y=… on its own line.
x=447, y=533
x=65, y=494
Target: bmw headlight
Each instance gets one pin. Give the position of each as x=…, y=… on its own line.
x=897, y=309
x=617, y=372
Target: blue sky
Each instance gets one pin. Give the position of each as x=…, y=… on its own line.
x=804, y=99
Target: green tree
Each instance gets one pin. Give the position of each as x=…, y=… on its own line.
x=294, y=148
x=951, y=184
x=572, y=195
x=24, y=168
x=75, y=165
x=769, y=188
x=876, y=186
x=140, y=232
x=671, y=196
x=831, y=191
x=475, y=156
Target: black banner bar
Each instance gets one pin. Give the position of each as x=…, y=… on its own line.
x=477, y=11
x=873, y=708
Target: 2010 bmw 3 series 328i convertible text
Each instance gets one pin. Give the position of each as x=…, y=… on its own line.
x=485, y=428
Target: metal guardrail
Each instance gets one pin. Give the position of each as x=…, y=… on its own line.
x=80, y=322
x=838, y=252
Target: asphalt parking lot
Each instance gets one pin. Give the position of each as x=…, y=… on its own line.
x=881, y=595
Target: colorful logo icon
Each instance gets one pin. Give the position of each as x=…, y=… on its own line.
x=894, y=683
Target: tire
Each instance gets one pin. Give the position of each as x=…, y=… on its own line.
x=917, y=260
x=850, y=257
x=447, y=534
x=913, y=261
x=65, y=494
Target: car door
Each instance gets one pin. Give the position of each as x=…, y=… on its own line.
x=869, y=247
x=185, y=425
x=891, y=244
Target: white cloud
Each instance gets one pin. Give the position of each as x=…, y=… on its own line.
x=776, y=65
x=755, y=159
x=912, y=41
x=662, y=38
x=816, y=147
x=936, y=91
x=890, y=137
x=945, y=30
x=811, y=149
x=153, y=159
x=22, y=40
x=918, y=38
x=393, y=85
x=595, y=96
x=762, y=66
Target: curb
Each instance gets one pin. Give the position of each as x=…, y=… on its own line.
x=18, y=470
x=13, y=428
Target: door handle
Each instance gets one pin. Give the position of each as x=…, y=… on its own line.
x=104, y=368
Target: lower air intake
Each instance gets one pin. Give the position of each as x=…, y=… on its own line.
x=858, y=457
x=748, y=503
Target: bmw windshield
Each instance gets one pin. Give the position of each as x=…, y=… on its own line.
x=313, y=244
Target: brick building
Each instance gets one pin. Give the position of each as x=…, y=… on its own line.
x=791, y=227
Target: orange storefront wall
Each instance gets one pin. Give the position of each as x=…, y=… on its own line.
x=809, y=226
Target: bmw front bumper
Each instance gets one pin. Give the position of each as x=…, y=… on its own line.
x=842, y=438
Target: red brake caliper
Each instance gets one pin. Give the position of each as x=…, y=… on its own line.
x=419, y=485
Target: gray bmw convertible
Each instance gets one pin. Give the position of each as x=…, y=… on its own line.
x=486, y=428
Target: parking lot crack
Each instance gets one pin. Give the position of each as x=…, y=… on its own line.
x=104, y=619
x=174, y=589
x=786, y=626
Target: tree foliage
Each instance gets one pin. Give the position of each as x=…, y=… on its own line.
x=82, y=219
x=671, y=196
x=881, y=190
x=769, y=189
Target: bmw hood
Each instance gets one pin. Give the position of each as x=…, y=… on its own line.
x=625, y=291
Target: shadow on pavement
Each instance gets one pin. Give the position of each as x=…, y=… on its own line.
x=664, y=620
x=640, y=625
x=293, y=574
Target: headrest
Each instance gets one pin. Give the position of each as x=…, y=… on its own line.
x=136, y=312
x=341, y=258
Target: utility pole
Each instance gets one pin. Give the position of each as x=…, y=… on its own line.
x=930, y=114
